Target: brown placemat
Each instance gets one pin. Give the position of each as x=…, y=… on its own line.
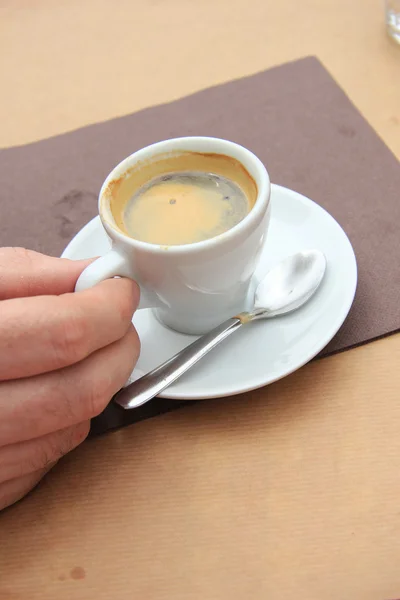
x=294, y=117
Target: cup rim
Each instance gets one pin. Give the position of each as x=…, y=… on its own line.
x=216, y=145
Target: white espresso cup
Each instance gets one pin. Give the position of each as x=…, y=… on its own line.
x=191, y=287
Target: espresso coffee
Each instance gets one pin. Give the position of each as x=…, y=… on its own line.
x=182, y=199
x=183, y=208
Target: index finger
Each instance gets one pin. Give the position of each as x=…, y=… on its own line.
x=45, y=333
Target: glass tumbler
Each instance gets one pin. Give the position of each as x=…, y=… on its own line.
x=393, y=19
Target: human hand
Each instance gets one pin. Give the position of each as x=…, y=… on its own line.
x=62, y=357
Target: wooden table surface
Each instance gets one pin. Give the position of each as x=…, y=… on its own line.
x=291, y=491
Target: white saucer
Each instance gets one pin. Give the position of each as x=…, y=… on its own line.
x=267, y=350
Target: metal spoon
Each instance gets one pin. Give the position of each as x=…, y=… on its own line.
x=284, y=289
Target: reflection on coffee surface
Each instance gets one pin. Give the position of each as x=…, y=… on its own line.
x=183, y=208
x=173, y=200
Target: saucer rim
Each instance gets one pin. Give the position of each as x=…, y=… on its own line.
x=352, y=276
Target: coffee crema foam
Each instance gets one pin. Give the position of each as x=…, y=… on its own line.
x=184, y=208
x=181, y=198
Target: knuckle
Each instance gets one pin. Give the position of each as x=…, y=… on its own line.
x=99, y=380
x=134, y=346
x=72, y=438
x=96, y=396
x=61, y=400
x=70, y=399
x=80, y=433
x=46, y=453
x=70, y=339
x=128, y=300
x=131, y=348
x=54, y=446
x=105, y=383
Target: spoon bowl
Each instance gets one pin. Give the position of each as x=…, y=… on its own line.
x=290, y=284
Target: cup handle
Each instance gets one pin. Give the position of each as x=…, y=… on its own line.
x=113, y=264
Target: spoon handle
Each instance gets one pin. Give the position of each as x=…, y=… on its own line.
x=150, y=385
